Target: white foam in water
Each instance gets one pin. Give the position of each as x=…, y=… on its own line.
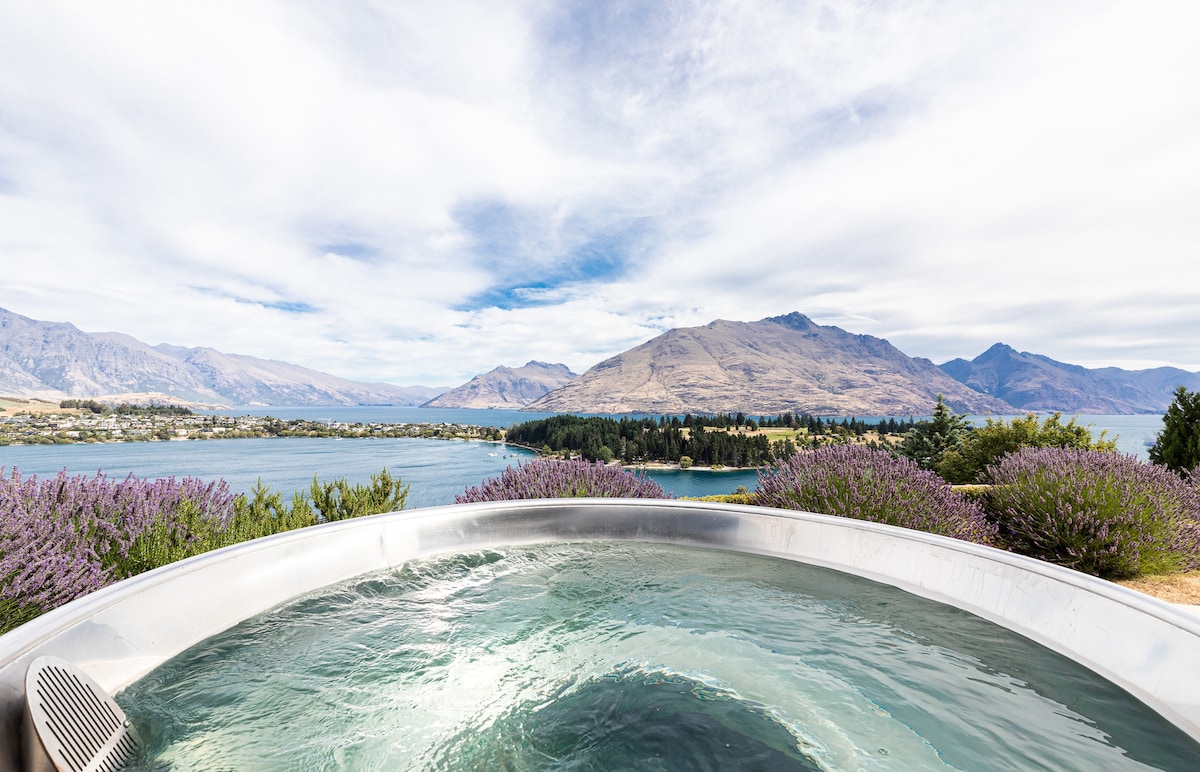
x=625, y=655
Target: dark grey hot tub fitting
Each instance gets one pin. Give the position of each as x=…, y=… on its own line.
x=118, y=634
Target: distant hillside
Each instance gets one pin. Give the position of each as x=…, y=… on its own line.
x=1035, y=382
x=505, y=387
x=780, y=364
x=52, y=360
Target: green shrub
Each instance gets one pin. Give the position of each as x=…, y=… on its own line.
x=1101, y=513
x=337, y=500
x=976, y=493
x=264, y=513
x=985, y=445
x=727, y=498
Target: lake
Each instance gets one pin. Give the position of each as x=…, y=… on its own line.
x=436, y=470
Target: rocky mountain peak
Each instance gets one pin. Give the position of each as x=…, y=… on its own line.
x=1039, y=383
x=794, y=321
x=774, y=365
x=505, y=387
x=996, y=350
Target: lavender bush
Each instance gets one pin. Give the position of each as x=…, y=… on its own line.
x=63, y=537
x=44, y=561
x=1101, y=513
x=868, y=484
x=546, y=478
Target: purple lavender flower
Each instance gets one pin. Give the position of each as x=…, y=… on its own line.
x=1101, y=513
x=868, y=484
x=545, y=478
x=63, y=537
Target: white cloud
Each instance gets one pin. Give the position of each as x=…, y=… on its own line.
x=943, y=175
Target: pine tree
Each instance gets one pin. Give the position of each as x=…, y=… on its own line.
x=928, y=441
x=1177, y=446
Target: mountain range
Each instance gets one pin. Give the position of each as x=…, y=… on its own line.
x=506, y=387
x=790, y=363
x=1039, y=383
x=54, y=360
x=777, y=364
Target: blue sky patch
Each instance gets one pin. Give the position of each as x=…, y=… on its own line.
x=531, y=254
x=287, y=306
x=356, y=250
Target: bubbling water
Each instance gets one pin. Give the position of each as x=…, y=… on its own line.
x=632, y=656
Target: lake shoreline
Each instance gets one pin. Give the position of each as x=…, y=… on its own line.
x=666, y=466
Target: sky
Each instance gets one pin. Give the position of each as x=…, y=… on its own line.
x=415, y=193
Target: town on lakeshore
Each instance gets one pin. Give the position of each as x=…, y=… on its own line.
x=34, y=422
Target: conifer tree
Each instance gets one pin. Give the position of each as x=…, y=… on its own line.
x=1177, y=446
x=928, y=441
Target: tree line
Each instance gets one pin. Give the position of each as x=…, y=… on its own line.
x=690, y=439
x=819, y=426
x=99, y=408
x=960, y=453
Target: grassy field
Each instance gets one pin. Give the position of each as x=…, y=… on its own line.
x=15, y=405
x=801, y=436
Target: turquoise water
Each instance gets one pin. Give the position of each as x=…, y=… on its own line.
x=436, y=470
x=628, y=656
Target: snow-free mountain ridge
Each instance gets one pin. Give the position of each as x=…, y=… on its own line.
x=778, y=364
x=774, y=365
x=1039, y=383
x=56, y=360
x=506, y=388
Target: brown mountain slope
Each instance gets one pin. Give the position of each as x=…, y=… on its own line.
x=785, y=363
x=1036, y=382
x=53, y=360
x=505, y=387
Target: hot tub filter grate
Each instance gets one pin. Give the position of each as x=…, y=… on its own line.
x=71, y=724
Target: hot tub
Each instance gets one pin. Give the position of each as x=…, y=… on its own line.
x=1146, y=648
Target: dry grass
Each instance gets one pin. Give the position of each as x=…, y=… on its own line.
x=1173, y=588
x=15, y=405
x=802, y=436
